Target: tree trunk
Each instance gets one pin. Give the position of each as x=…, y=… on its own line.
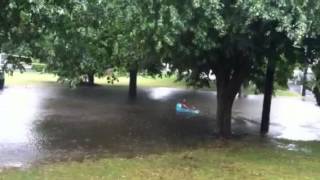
x=268, y=89
x=133, y=83
x=304, y=80
x=240, y=93
x=316, y=93
x=227, y=90
x=2, y=83
x=224, y=113
x=90, y=79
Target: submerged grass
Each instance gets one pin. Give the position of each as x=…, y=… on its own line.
x=220, y=160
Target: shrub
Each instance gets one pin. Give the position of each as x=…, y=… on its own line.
x=38, y=67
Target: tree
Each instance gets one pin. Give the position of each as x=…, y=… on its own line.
x=212, y=38
x=290, y=51
x=9, y=63
x=78, y=40
x=139, y=27
x=312, y=11
x=277, y=57
x=17, y=28
x=316, y=86
x=311, y=56
x=304, y=15
x=217, y=37
x=310, y=44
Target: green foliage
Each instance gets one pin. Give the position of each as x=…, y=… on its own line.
x=197, y=38
x=17, y=29
x=38, y=67
x=14, y=62
x=232, y=40
x=78, y=40
x=16, y=25
x=224, y=37
x=311, y=45
x=136, y=45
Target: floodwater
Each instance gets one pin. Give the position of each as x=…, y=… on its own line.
x=55, y=123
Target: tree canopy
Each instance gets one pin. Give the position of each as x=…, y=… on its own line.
x=236, y=40
x=230, y=39
x=17, y=29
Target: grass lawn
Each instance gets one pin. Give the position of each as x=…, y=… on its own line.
x=146, y=81
x=29, y=78
x=220, y=160
x=34, y=78
x=286, y=93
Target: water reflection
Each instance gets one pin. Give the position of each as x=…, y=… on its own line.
x=18, y=107
x=161, y=93
x=297, y=120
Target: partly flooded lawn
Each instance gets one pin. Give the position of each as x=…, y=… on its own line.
x=41, y=124
x=243, y=158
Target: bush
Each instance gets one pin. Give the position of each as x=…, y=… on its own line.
x=120, y=72
x=38, y=67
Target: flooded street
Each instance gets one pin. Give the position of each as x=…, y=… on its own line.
x=55, y=123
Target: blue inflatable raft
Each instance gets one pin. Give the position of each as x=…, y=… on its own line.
x=181, y=109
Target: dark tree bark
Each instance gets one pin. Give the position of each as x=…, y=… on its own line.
x=268, y=89
x=304, y=80
x=316, y=93
x=133, y=83
x=90, y=79
x=228, y=85
x=240, y=93
x=2, y=83
x=224, y=112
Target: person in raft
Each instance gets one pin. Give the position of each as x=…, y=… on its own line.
x=184, y=107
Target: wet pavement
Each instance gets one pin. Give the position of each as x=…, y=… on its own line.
x=55, y=123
